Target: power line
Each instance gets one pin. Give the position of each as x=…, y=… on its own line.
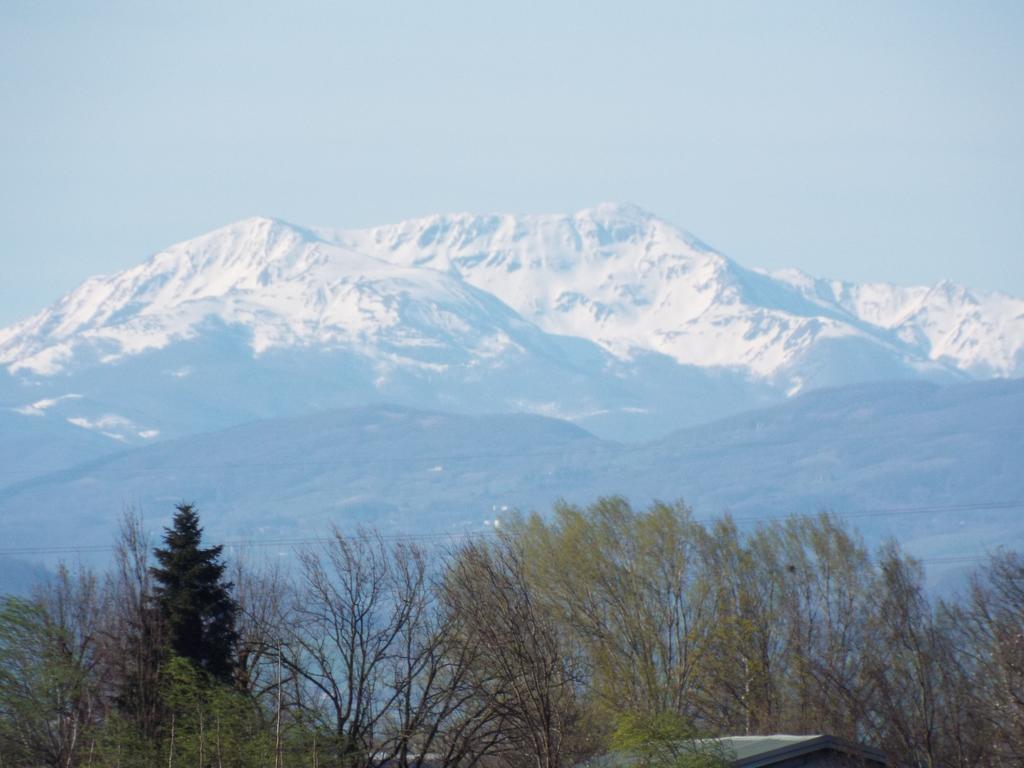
x=461, y=535
x=426, y=459
x=242, y=543
x=940, y=560
x=982, y=506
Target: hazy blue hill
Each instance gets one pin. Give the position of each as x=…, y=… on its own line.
x=18, y=577
x=388, y=466
x=855, y=449
x=34, y=445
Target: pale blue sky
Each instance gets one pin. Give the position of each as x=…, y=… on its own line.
x=864, y=140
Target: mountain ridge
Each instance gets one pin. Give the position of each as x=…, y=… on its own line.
x=610, y=317
x=629, y=281
x=458, y=242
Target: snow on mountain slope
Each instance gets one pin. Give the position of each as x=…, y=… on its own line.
x=628, y=280
x=981, y=333
x=262, y=319
x=286, y=287
x=37, y=445
x=610, y=317
x=614, y=274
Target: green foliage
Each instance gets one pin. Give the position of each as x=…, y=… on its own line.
x=663, y=740
x=632, y=588
x=213, y=724
x=120, y=744
x=604, y=630
x=44, y=687
x=22, y=674
x=638, y=733
x=194, y=599
x=209, y=725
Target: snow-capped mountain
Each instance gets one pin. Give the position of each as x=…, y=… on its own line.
x=215, y=371
x=978, y=332
x=285, y=287
x=628, y=280
x=610, y=317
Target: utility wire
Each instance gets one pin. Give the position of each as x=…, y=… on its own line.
x=86, y=469
x=896, y=511
x=242, y=543
x=462, y=535
x=940, y=560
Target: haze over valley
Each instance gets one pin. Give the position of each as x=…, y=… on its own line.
x=432, y=375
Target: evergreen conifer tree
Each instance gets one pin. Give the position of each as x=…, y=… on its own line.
x=194, y=599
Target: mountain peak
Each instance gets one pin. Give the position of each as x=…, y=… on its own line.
x=613, y=211
x=252, y=232
x=614, y=274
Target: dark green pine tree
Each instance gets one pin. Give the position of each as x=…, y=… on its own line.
x=194, y=599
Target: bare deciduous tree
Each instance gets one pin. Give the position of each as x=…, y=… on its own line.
x=992, y=634
x=50, y=697
x=132, y=633
x=524, y=668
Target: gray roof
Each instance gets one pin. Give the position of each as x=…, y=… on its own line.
x=754, y=751
x=758, y=751
x=742, y=747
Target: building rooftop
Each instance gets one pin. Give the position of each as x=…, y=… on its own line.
x=755, y=751
x=741, y=747
x=760, y=751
